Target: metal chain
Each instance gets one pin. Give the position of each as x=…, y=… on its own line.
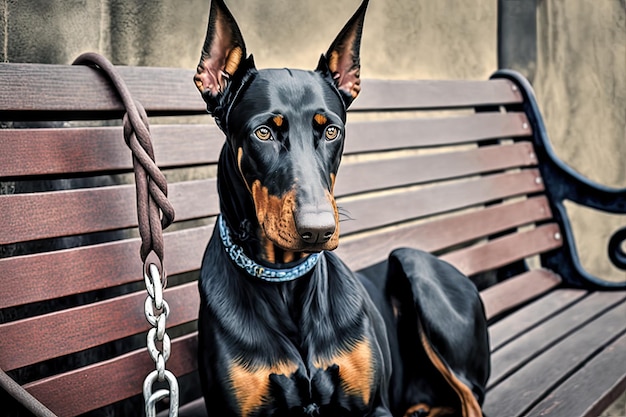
x=157, y=311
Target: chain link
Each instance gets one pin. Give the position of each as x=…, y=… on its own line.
x=157, y=311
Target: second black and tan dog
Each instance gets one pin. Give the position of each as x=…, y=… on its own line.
x=286, y=329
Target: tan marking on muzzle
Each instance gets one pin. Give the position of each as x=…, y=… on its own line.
x=276, y=218
x=275, y=215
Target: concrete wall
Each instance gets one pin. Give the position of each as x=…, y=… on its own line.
x=580, y=74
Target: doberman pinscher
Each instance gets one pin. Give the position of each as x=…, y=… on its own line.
x=285, y=328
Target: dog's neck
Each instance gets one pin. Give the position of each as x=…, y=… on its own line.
x=240, y=216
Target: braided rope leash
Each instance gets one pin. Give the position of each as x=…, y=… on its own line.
x=154, y=213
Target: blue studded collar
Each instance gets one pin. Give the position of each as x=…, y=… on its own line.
x=259, y=271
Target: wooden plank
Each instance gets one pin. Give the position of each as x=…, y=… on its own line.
x=505, y=250
x=89, y=325
x=518, y=290
x=90, y=210
x=99, y=149
x=74, y=212
x=60, y=273
x=102, y=149
x=532, y=315
x=104, y=383
x=36, y=88
x=361, y=251
x=511, y=357
x=433, y=94
x=577, y=397
x=31, y=278
x=366, y=136
x=521, y=391
x=394, y=207
x=418, y=169
x=30, y=87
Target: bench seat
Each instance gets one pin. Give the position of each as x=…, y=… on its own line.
x=462, y=169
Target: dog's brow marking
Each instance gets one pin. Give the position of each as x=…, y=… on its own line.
x=320, y=119
x=278, y=120
x=356, y=369
x=251, y=384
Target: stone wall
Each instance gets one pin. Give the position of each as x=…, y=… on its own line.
x=580, y=73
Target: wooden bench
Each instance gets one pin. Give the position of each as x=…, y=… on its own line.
x=462, y=169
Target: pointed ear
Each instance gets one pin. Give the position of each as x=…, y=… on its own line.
x=223, y=51
x=342, y=60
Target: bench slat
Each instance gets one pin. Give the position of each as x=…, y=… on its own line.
x=382, y=135
x=108, y=208
x=514, y=355
x=519, y=392
x=380, y=210
x=436, y=235
x=99, y=149
x=531, y=315
x=505, y=250
x=419, y=169
x=55, y=88
x=77, y=323
x=31, y=278
x=379, y=95
x=56, y=274
x=609, y=381
x=73, y=212
x=30, y=89
x=89, y=325
x=518, y=290
x=97, y=385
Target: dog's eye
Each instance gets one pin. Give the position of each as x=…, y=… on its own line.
x=332, y=132
x=263, y=133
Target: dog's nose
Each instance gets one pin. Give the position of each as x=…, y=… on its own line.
x=315, y=226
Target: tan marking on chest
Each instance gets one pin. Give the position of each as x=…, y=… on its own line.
x=251, y=384
x=356, y=369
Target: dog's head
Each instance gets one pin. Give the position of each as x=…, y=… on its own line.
x=285, y=128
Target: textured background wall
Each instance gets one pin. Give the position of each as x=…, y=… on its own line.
x=580, y=74
x=581, y=87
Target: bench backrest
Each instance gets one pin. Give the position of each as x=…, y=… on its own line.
x=438, y=165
